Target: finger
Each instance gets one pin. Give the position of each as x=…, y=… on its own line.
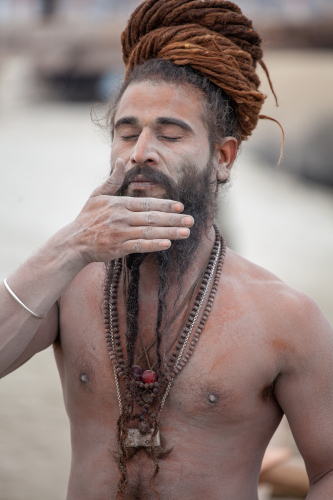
x=114, y=181
x=158, y=233
x=143, y=246
x=152, y=204
x=160, y=219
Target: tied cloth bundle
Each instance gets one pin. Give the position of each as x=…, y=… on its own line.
x=213, y=37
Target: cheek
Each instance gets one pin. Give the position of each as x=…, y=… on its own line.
x=194, y=156
x=199, y=150
x=119, y=151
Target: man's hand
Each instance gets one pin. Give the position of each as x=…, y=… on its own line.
x=109, y=227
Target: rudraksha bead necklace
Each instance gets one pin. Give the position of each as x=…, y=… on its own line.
x=146, y=383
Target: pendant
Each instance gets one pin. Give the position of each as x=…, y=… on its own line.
x=135, y=439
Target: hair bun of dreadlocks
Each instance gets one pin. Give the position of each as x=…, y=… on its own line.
x=212, y=36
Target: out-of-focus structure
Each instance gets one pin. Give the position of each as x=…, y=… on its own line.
x=74, y=44
x=71, y=43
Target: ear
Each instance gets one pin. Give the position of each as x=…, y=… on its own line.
x=226, y=152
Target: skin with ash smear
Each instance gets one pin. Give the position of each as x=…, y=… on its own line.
x=264, y=345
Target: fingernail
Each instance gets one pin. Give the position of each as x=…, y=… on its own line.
x=178, y=207
x=165, y=244
x=184, y=232
x=188, y=221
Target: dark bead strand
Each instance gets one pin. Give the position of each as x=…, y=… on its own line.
x=182, y=362
x=107, y=318
x=185, y=358
x=209, y=303
x=112, y=300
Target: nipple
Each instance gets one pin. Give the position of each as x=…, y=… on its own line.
x=84, y=378
x=212, y=399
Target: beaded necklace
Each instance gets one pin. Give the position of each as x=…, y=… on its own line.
x=146, y=385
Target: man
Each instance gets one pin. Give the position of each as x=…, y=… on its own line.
x=176, y=371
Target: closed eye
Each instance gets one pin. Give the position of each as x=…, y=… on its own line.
x=129, y=137
x=170, y=139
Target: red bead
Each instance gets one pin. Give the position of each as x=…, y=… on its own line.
x=149, y=377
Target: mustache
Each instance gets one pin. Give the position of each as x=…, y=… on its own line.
x=151, y=174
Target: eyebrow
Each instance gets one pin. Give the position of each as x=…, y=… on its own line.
x=161, y=120
x=126, y=120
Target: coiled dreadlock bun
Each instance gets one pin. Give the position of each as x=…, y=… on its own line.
x=213, y=37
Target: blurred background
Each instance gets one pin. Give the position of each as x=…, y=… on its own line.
x=58, y=58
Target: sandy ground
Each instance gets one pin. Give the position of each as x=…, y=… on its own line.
x=51, y=157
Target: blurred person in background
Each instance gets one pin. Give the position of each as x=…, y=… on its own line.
x=199, y=351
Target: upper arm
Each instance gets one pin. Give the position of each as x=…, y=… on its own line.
x=304, y=389
x=43, y=338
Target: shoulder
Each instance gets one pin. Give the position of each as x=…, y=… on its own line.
x=261, y=284
x=291, y=312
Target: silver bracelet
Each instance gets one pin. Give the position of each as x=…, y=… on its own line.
x=19, y=301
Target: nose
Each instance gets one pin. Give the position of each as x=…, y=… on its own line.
x=145, y=152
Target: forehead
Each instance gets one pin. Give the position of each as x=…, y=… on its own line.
x=149, y=100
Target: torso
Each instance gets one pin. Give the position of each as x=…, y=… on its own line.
x=220, y=413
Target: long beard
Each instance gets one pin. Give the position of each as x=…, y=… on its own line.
x=197, y=193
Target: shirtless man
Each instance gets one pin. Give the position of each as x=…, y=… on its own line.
x=265, y=349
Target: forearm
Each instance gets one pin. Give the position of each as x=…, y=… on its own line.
x=38, y=283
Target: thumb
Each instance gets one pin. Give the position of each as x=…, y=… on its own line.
x=114, y=181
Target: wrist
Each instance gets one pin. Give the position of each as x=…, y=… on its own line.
x=64, y=249
x=42, y=279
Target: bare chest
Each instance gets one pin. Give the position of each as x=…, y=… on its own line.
x=222, y=398
x=229, y=377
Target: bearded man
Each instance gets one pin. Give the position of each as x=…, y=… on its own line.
x=178, y=358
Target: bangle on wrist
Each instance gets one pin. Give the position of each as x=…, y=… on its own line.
x=20, y=302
